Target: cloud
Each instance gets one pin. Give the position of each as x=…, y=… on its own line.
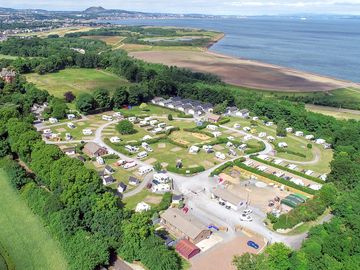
x=235, y=7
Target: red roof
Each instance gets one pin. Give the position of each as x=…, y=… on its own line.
x=187, y=249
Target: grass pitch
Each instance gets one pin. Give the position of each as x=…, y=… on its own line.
x=76, y=80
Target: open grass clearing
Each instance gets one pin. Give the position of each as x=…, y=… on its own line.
x=23, y=235
x=334, y=112
x=131, y=202
x=78, y=81
x=109, y=40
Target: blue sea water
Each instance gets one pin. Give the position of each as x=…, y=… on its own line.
x=327, y=46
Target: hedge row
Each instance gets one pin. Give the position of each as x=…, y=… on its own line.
x=221, y=168
x=227, y=165
x=256, y=149
x=224, y=121
x=275, y=178
x=317, y=180
x=185, y=170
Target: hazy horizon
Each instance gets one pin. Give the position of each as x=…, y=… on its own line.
x=209, y=7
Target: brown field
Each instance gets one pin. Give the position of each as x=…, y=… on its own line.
x=245, y=73
x=109, y=40
x=335, y=112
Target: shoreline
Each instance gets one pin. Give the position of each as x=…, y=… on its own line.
x=266, y=64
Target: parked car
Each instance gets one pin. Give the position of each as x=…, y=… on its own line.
x=253, y=244
x=247, y=211
x=244, y=217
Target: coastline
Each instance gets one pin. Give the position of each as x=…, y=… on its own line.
x=209, y=51
x=243, y=72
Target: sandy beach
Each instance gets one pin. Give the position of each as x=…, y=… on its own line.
x=246, y=73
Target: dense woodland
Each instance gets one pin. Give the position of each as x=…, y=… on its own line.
x=91, y=223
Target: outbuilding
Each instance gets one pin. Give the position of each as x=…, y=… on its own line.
x=187, y=249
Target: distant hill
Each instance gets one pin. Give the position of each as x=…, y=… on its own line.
x=94, y=10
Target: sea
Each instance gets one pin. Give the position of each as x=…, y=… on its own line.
x=327, y=46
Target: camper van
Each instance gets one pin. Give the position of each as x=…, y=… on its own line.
x=130, y=164
x=71, y=125
x=220, y=155
x=47, y=131
x=146, y=146
x=161, y=125
x=87, y=131
x=107, y=118
x=131, y=149
x=237, y=126
x=145, y=170
x=115, y=139
x=142, y=155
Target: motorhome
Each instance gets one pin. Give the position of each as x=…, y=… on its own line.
x=71, y=125
x=130, y=164
x=142, y=155
x=87, y=131
x=220, y=155
x=145, y=170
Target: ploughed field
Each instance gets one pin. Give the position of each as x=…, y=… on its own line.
x=244, y=73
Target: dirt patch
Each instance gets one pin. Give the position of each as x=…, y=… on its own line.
x=181, y=141
x=236, y=134
x=153, y=199
x=162, y=145
x=219, y=147
x=202, y=137
x=60, y=129
x=176, y=149
x=226, y=251
x=81, y=123
x=164, y=164
x=245, y=72
x=207, y=163
x=151, y=161
x=228, y=131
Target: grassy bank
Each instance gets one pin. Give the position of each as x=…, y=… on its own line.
x=22, y=234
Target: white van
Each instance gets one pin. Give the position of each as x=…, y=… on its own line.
x=47, y=131
x=142, y=155
x=70, y=125
x=220, y=155
x=145, y=170
x=130, y=164
x=107, y=118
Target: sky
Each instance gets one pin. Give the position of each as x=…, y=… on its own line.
x=216, y=7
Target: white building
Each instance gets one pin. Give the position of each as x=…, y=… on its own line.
x=227, y=197
x=142, y=207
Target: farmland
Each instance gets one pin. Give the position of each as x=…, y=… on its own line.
x=22, y=234
x=76, y=80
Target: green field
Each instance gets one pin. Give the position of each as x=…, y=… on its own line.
x=76, y=80
x=3, y=56
x=334, y=112
x=23, y=236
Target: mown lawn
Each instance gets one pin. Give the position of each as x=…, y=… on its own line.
x=76, y=80
x=23, y=235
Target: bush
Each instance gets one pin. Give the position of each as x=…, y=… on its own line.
x=125, y=127
x=165, y=202
x=170, y=117
x=309, y=146
x=177, y=143
x=282, y=150
x=111, y=156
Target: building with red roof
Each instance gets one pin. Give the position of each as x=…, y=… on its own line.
x=187, y=249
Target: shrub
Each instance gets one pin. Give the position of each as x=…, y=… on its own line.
x=170, y=117
x=224, y=121
x=309, y=146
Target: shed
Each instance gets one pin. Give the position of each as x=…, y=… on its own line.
x=187, y=249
